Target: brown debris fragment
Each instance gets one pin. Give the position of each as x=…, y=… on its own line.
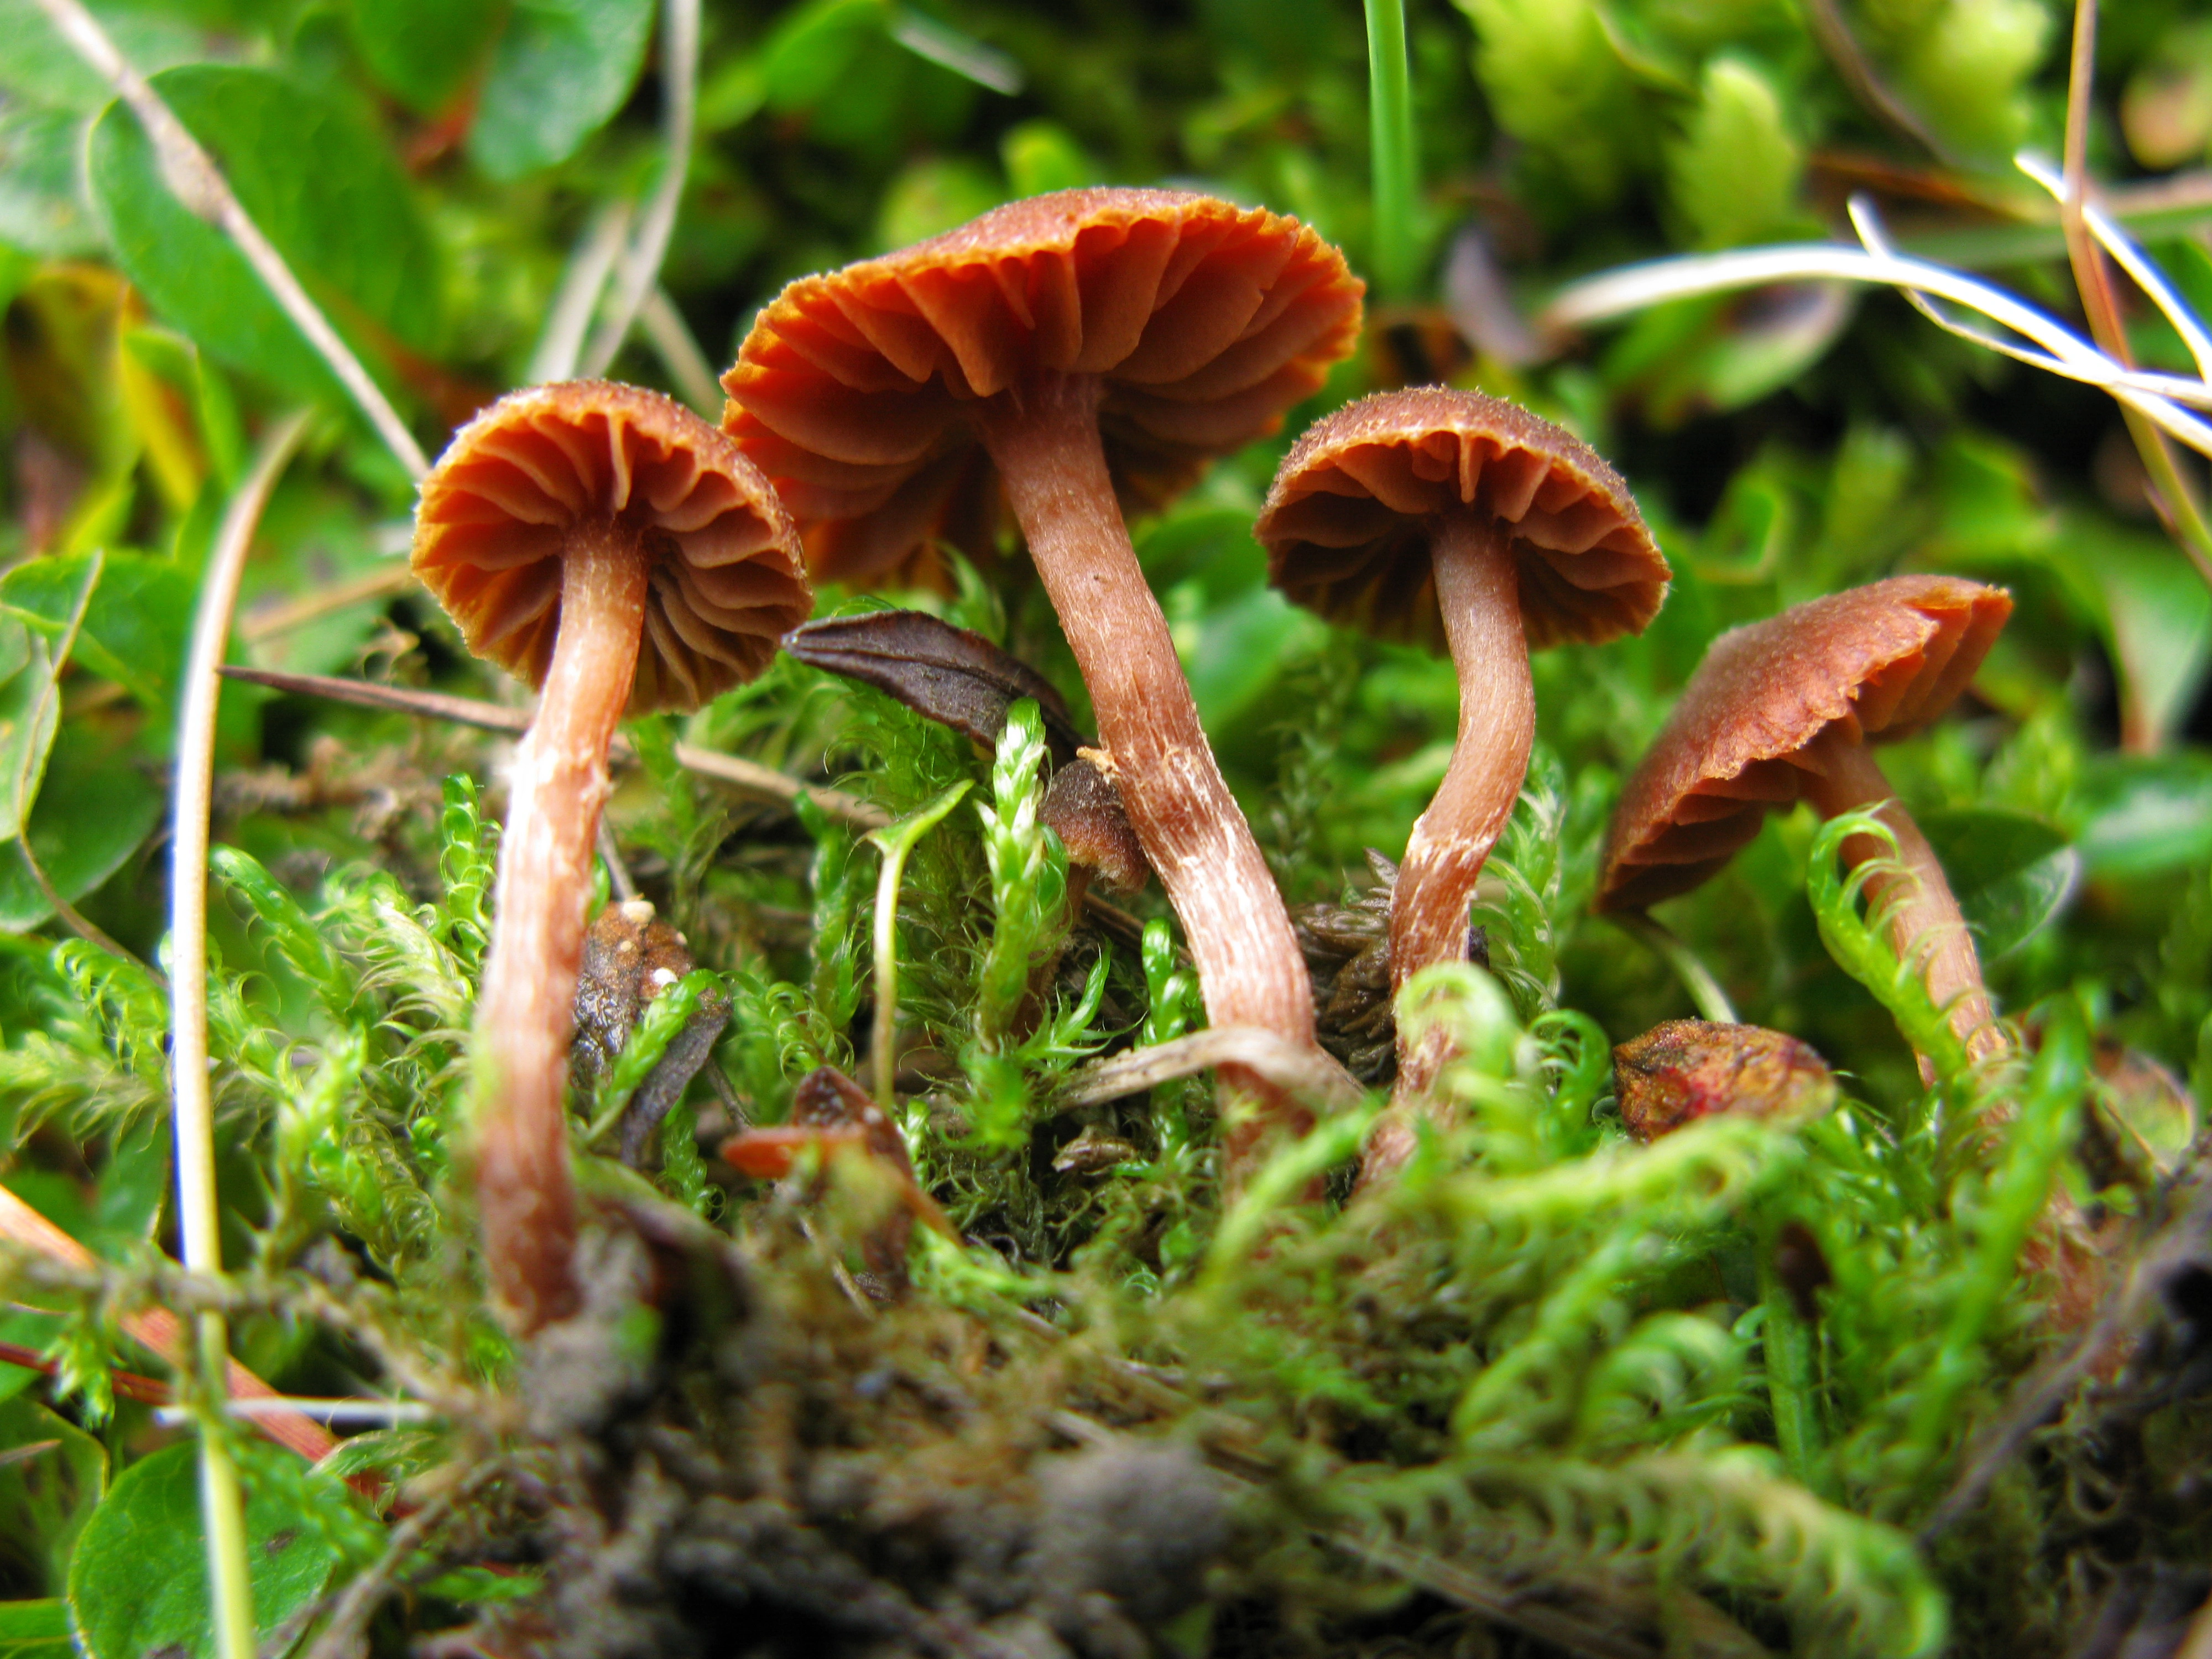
x=1686, y=1069
x=631, y=956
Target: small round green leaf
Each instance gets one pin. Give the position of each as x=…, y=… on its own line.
x=138, y=1584
x=559, y=71
x=2010, y=872
x=424, y=50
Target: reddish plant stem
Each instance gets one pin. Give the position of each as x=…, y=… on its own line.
x=1043, y=436
x=1926, y=920
x=1479, y=592
x=526, y=1011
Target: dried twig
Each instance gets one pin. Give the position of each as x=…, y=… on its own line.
x=1831, y=29
x=746, y=777
x=193, y=178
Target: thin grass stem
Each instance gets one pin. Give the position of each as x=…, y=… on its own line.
x=2170, y=492
x=639, y=270
x=1705, y=993
x=1639, y=287
x=678, y=350
x=894, y=842
x=222, y=1504
x=2132, y=258
x=193, y=178
x=1396, y=162
x=576, y=301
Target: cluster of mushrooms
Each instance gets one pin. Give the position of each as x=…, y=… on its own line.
x=1063, y=358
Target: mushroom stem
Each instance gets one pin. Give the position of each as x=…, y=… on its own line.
x=525, y=1010
x=1478, y=590
x=1043, y=436
x=1925, y=918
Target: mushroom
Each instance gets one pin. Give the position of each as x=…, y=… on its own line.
x=1086, y=341
x=1084, y=809
x=607, y=545
x=1456, y=518
x=1784, y=709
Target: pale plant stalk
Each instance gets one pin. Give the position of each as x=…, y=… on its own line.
x=679, y=348
x=639, y=270
x=2178, y=388
x=582, y=285
x=2170, y=492
x=894, y=842
x=1711, y=1002
x=222, y=1504
x=1639, y=287
x=193, y=178
x=2131, y=257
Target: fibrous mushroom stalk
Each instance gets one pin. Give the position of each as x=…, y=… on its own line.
x=1478, y=590
x=1042, y=433
x=1925, y=921
x=526, y=1008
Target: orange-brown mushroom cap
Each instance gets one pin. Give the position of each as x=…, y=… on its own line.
x=1881, y=662
x=1345, y=525
x=1203, y=321
x=727, y=580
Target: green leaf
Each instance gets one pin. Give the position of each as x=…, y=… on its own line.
x=424, y=50
x=30, y=702
x=94, y=811
x=1733, y=172
x=561, y=68
x=34, y=1630
x=2011, y=873
x=42, y=208
x=134, y=627
x=814, y=45
x=133, y=1184
x=1555, y=81
x=321, y=183
x=42, y=68
x=138, y=1584
x=2139, y=815
x=934, y=195
x=1044, y=155
x=47, y=1495
x=2161, y=616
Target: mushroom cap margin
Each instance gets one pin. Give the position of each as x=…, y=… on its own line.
x=728, y=578
x=1882, y=661
x=1346, y=523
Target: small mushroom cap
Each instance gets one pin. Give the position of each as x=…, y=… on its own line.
x=1082, y=807
x=1204, y=322
x=1346, y=526
x=498, y=509
x=1881, y=662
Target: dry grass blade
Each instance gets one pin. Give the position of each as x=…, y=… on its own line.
x=1304, y=1070
x=159, y=1331
x=746, y=777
